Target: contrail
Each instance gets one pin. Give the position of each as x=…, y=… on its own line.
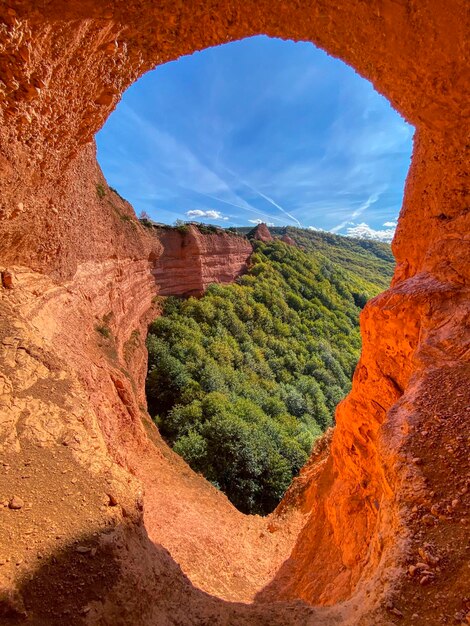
x=262, y=195
x=239, y=206
x=372, y=199
x=271, y=201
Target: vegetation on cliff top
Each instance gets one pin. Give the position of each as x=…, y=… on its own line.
x=244, y=379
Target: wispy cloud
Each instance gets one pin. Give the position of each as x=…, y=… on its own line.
x=179, y=164
x=210, y=213
x=372, y=199
x=307, y=142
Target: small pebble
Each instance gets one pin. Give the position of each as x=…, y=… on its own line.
x=421, y=565
x=16, y=503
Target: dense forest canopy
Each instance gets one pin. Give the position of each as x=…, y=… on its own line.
x=243, y=380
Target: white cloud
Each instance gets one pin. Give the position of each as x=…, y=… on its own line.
x=211, y=214
x=390, y=224
x=364, y=231
x=319, y=230
x=261, y=222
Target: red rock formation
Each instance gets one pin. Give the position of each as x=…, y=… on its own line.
x=286, y=239
x=261, y=233
x=360, y=522
x=190, y=261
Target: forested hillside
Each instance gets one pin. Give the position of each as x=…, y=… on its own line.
x=244, y=379
x=372, y=260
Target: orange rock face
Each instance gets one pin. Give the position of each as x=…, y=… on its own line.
x=115, y=529
x=286, y=239
x=189, y=260
x=261, y=233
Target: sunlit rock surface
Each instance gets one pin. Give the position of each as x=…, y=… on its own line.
x=189, y=260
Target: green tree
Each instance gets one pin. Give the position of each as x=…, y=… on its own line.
x=243, y=380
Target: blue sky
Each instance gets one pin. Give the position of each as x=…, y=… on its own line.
x=259, y=130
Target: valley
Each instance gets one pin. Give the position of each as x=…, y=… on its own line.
x=244, y=379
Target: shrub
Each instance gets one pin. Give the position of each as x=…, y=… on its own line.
x=100, y=190
x=103, y=330
x=181, y=227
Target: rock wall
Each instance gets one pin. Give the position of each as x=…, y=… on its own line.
x=112, y=524
x=190, y=261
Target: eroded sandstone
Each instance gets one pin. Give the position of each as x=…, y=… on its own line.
x=189, y=260
x=261, y=233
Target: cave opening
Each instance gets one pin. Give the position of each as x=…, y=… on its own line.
x=66, y=65
x=244, y=378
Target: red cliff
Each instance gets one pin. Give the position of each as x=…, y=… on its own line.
x=190, y=260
